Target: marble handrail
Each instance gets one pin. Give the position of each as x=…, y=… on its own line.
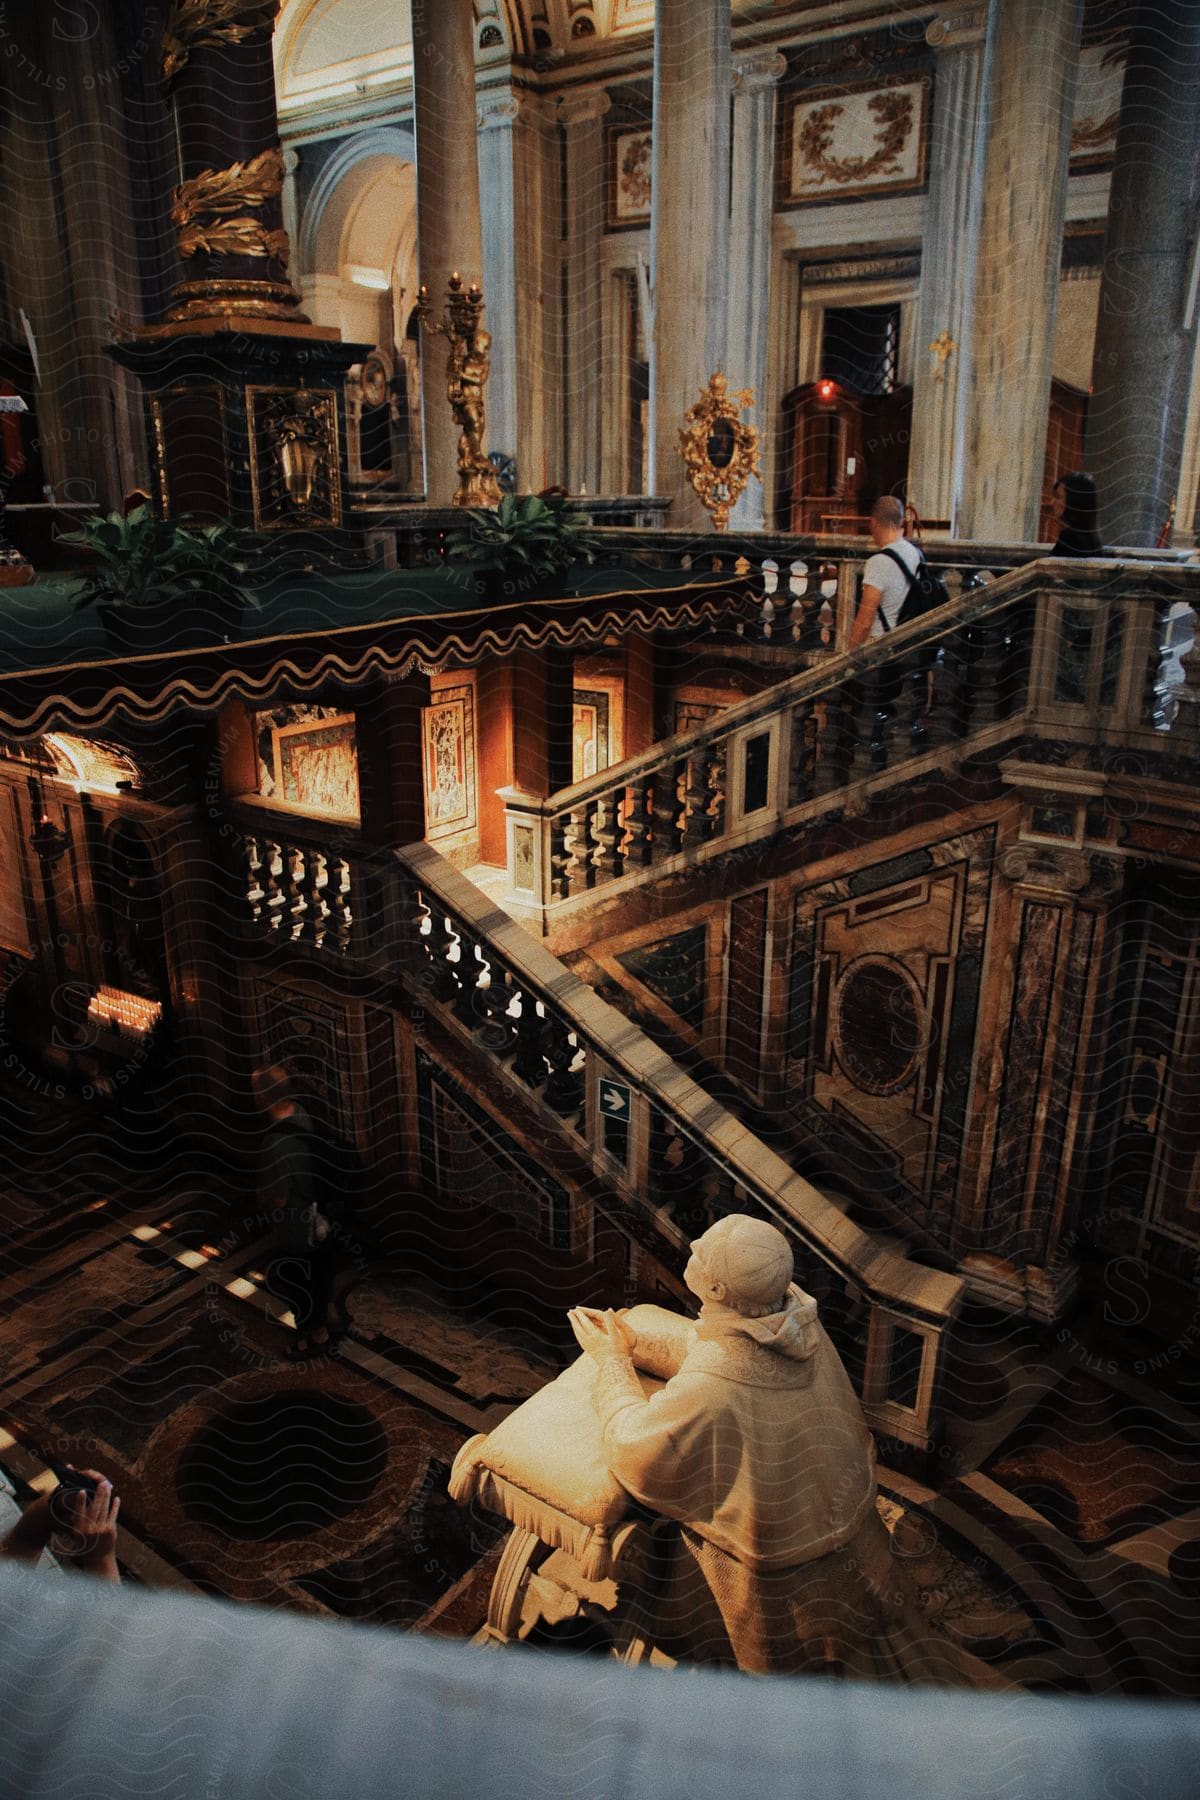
x=616, y=1096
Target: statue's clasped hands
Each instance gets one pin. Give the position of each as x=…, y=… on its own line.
x=601, y=1334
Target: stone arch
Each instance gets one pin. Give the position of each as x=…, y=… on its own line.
x=353, y=167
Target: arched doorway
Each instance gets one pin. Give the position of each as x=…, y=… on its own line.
x=358, y=271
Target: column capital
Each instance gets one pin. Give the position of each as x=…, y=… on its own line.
x=497, y=108
x=757, y=70
x=957, y=28
x=582, y=108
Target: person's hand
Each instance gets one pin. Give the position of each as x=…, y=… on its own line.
x=87, y=1528
x=601, y=1334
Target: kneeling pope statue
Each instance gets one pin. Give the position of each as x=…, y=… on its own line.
x=757, y=1446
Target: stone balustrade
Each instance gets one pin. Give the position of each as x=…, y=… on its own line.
x=1089, y=653
x=674, y=1158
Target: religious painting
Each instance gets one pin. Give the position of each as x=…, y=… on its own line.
x=590, y=742
x=316, y=765
x=1097, y=105
x=630, y=151
x=850, y=140
x=449, y=742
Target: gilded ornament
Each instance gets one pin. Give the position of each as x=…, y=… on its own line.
x=468, y=364
x=220, y=191
x=894, y=118
x=192, y=24
x=234, y=237
x=294, y=465
x=720, y=451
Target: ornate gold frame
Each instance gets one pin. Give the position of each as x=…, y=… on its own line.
x=273, y=510
x=719, y=484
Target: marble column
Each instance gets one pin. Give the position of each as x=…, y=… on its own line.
x=689, y=229
x=496, y=118
x=448, y=229
x=1030, y=70
x=755, y=80
x=518, y=184
x=1145, y=329
x=582, y=119
x=943, y=310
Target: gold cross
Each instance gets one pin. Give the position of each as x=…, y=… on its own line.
x=941, y=347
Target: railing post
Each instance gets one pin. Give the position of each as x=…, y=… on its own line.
x=527, y=843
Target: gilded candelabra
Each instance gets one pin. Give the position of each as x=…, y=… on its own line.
x=467, y=366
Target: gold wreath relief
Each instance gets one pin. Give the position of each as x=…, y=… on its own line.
x=719, y=487
x=192, y=23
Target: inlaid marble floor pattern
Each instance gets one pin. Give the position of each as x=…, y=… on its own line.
x=1056, y=1538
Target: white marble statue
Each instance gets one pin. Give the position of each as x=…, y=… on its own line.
x=757, y=1446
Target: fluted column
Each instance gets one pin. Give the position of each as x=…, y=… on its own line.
x=582, y=118
x=1030, y=70
x=689, y=227
x=448, y=228
x=951, y=217
x=755, y=80
x=496, y=118
x=1145, y=328
x=518, y=184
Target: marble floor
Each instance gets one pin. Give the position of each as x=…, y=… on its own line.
x=1059, y=1536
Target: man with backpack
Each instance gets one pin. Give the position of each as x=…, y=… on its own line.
x=292, y=1186
x=889, y=574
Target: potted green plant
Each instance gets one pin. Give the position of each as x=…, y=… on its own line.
x=157, y=583
x=528, y=541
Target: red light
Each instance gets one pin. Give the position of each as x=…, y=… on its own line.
x=826, y=390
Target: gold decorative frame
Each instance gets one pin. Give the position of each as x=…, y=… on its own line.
x=718, y=415
x=900, y=106
x=270, y=417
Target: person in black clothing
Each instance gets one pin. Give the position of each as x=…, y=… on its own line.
x=301, y=1270
x=1075, y=516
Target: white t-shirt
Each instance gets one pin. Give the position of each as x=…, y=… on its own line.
x=882, y=573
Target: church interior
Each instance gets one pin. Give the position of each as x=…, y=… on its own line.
x=465, y=841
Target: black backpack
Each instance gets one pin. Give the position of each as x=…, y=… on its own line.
x=926, y=592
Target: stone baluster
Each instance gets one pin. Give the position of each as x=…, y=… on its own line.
x=292, y=890
x=577, y=869
x=716, y=763
x=316, y=912
x=1185, y=727
x=606, y=834
x=697, y=820
x=255, y=891
x=564, y=1082
x=667, y=808
x=837, y=718
x=271, y=876
x=560, y=883
x=340, y=892
x=529, y=1063
x=639, y=849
